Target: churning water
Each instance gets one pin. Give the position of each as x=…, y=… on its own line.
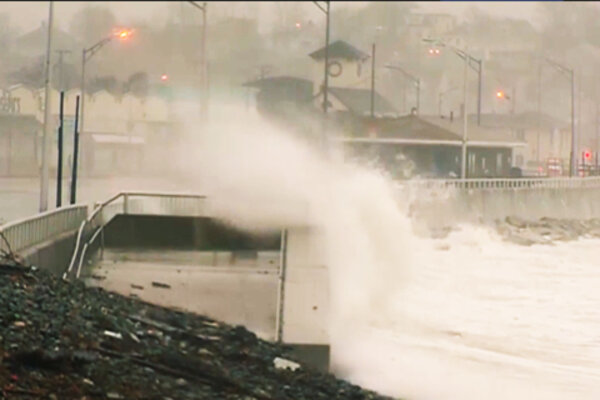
x=466, y=317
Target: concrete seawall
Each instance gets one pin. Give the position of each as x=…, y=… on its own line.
x=53, y=255
x=440, y=208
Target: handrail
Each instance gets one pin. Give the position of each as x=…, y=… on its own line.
x=99, y=208
x=84, y=223
x=36, y=229
x=504, y=183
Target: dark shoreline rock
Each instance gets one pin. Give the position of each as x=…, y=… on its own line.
x=67, y=341
x=546, y=230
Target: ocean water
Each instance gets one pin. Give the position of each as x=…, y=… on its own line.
x=465, y=317
x=477, y=318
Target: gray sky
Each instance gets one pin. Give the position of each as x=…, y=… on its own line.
x=29, y=15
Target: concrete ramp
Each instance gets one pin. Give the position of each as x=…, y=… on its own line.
x=205, y=266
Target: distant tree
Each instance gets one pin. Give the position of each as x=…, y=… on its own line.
x=31, y=75
x=567, y=25
x=138, y=84
x=108, y=83
x=91, y=23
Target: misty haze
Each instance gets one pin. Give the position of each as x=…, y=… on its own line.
x=299, y=200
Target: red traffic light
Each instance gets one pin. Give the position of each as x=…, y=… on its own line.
x=164, y=77
x=587, y=155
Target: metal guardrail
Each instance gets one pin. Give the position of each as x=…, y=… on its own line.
x=504, y=184
x=31, y=231
x=138, y=203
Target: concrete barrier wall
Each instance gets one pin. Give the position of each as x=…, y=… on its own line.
x=53, y=255
x=306, y=298
x=454, y=206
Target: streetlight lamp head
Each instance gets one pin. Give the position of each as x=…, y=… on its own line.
x=123, y=34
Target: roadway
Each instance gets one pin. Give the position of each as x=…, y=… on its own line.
x=19, y=197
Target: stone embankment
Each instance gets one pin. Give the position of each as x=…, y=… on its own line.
x=62, y=340
x=546, y=230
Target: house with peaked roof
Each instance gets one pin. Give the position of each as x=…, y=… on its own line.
x=348, y=66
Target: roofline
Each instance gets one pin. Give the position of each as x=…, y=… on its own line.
x=401, y=141
x=472, y=143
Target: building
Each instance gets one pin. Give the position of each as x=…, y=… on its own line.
x=546, y=138
x=429, y=146
x=19, y=145
x=348, y=66
x=118, y=129
x=279, y=94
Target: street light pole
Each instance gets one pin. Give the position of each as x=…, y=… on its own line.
x=416, y=80
x=573, y=132
x=86, y=55
x=570, y=73
x=463, y=168
x=467, y=58
x=204, y=72
x=326, y=72
x=45, y=173
x=325, y=10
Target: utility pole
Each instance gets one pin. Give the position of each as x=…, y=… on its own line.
x=75, y=153
x=373, y=82
x=479, y=78
x=204, y=66
x=570, y=73
x=573, y=132
x=463, y=168
x=59, y=164
x=539, y=111
x=47, y=123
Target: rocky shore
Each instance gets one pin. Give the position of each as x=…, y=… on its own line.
x=546, y=230
x=63, y=340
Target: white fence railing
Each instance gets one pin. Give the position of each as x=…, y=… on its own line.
x=31, y=231
x=503, y=184
x=138, y=203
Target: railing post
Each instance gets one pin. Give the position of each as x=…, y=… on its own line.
x=126, y=204
x=281, y=288
x=101, y=243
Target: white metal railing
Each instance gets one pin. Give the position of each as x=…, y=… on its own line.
x=504, y=184
x=27, y=232
x=139, y=203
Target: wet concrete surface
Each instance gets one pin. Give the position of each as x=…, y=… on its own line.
x=242, y=291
